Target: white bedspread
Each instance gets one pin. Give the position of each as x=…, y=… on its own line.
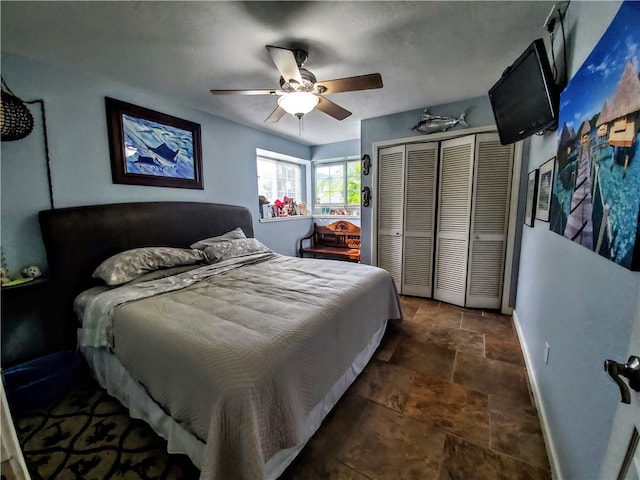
x=242, y=356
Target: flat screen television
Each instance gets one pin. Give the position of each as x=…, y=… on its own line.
x=525, y=99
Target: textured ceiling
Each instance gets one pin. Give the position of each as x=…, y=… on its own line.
x=427, y=52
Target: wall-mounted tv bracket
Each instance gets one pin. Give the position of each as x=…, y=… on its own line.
x=557, y=13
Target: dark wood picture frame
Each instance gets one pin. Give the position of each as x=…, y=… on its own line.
x=532, y=191
x=545, y=189
x=166, y=152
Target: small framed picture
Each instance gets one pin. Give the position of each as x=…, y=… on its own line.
x=545, y=187
x=530, y=206
x=267, y=211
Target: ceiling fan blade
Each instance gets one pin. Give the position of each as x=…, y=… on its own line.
x=351, y=84
x=276, y=115
x=333, y=109
x=247, y=92
x=285, y=62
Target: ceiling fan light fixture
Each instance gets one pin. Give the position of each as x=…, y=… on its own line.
x=298, y=103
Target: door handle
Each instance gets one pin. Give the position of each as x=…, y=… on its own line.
x=630, y=370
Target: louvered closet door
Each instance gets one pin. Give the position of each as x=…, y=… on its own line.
x=454, y=210
x=390, y=204
x=419, y=218
x=489, y=221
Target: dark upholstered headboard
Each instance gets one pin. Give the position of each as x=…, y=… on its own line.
x=78, y=239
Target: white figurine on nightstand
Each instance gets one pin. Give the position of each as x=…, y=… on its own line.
x=31, y=271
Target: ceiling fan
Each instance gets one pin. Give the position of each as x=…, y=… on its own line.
x=300, y=92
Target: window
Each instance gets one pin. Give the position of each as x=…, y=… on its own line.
x=278, y=179
x=337, y=187
x=282, y=176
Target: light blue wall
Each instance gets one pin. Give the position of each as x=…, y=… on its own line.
x=347, y=148
x=81, y=168
x=398, y=126
x=578, y=302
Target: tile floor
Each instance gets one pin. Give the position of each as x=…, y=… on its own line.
x=445, y=397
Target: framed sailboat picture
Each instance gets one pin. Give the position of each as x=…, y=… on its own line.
x=596, y=201
x=152, y=148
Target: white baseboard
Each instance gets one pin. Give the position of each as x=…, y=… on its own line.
x=556, y=473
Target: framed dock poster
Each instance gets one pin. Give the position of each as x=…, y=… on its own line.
x=595, y=200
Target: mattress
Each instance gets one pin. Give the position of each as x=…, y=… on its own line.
x=249, y=357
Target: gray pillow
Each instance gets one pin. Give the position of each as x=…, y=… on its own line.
x=236, y=234
x=128, y=265
x=219, y=251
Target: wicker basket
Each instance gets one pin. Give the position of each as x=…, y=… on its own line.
x=16, y=121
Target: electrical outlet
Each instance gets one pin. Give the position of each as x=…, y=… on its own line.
x=546, y=353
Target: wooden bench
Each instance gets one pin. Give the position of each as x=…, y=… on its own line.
x=339, y=240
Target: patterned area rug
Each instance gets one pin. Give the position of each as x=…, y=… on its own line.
x=89, y=435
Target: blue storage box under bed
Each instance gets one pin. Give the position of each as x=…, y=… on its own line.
x=42, y=381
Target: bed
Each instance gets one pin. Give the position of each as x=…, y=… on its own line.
x=236, y=359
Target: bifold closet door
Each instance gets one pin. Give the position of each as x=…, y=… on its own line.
x=419, y=218
x=454, y=211
x=489, y=221
x=390, y=206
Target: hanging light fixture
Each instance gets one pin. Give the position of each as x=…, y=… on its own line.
x=16, y=121
x=298, y=103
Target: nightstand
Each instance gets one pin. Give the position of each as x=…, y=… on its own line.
x=29, y=327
